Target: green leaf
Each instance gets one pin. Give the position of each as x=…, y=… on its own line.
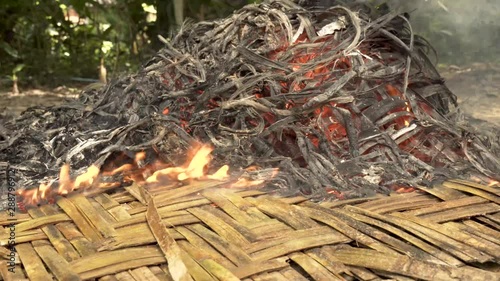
x=9, y=50
x=18, y=68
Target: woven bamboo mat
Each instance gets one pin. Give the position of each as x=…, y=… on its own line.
x=449, y=232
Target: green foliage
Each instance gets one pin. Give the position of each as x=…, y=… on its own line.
x=54, y=49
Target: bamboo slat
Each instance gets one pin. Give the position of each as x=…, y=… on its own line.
x=203, y=232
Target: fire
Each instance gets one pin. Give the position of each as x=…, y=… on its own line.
x=64, y=185
x=194, y=169
x=487, y=181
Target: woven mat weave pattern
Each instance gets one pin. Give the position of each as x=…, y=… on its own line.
x=451, y=231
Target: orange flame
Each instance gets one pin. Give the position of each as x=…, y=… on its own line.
x=194, y=169
x=66, y=185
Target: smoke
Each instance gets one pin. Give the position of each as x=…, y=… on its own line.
x=461, y=31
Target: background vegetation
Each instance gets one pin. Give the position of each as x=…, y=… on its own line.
x=60, y=42
x=54, y=42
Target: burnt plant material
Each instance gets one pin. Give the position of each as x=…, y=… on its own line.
x=336, y=98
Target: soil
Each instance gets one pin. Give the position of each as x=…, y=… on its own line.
x=477, y=88
x=15, y=104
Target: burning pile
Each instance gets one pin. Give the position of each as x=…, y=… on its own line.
x=339, y=101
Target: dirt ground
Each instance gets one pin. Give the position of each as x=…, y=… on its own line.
x=477, y=88
x=15, y=104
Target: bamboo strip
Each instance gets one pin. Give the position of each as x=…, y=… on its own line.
x=493, y=243
x=6, y=218
x=172, y=206
x=119, y=213
x=16, y=274
x=199, y=249
x=76, y=238
x=409, y=267
x=23, y=237
x=225, y=230
x=167, y=244
x=447, y=205
x=40, y=221
x=219, y=198
x=389, y=200
x=33, y=265
x=405, y=204
x=341, y=203
x=61, y=244
x=193, y=188
x=123, y=276
x=253, y=268
x=93, y=216
x=243, y=204
x=282, y=237
x=383, y=222
x=490, y=189
x=482, y=230
x=494, y=217
x=145, y=274
x=123, y=266
x=273, y=276
x=443, y=192
x=4, y=252
x=457, y=248
x=58, y=266
x=324, y=256
x=291, y=274
x=392, y=276
x=473, y=190
x=106, y=201
x=291, y=246
x=139, y=218
x=232, y=252
x=81, y=222
x=111, y=277
x=133, y=235
x=313, y=268
x=195, y=269
x=108, y=258
x=489, y=222
x=463, y=212
x=82, y=245
x=137, y=191
x=345, y=229
x=291, y=216
x=218, y=270
x=464, y=238
x=270, y=228
x=402, y=246
x=102, y=212
x=122, y=197
x=158, y=272
x=363, y=273
x=244, y=230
